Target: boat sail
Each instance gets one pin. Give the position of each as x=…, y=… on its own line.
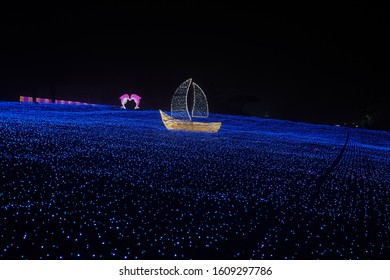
x=181, y=119
x=200, y=108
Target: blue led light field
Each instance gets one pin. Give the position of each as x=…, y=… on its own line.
x=98, y=182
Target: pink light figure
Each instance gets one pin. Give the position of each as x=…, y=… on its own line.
x=125, y=98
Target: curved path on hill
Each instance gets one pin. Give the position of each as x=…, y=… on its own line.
x=336, y=161
x=251, y=240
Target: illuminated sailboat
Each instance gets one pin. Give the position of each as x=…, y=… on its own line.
x=181, y=119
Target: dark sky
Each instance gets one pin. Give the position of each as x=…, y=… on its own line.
x=316, y=63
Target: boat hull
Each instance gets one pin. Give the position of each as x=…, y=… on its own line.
x=175, y=124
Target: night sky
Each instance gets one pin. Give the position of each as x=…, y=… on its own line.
x=318, y=63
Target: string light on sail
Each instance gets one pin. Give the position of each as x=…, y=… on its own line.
x=201, y=107
x=181, y=119
x=179, y=107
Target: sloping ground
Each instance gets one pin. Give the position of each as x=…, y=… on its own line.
x=97, y=182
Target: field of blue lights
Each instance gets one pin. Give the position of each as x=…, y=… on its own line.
x=98, y=182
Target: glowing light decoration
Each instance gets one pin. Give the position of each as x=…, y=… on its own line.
x=201, y=107
x=27, y=99
x=126, y=98
x=136, y=99
x=69, y=102
x=41, y=100
x=179, y=106
x=181, y=119
x=259, y=189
